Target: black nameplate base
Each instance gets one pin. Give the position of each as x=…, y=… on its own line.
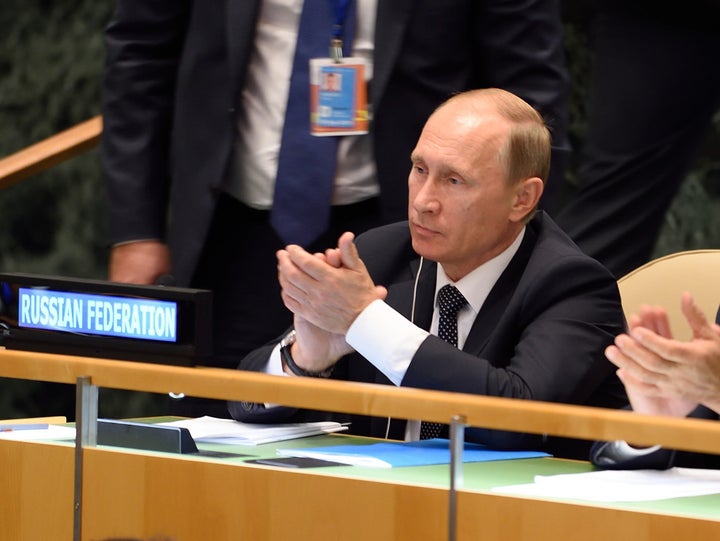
x=95, y=318
x=146, y=437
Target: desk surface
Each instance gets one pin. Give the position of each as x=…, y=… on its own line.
x=477, y=476
x=141, y=494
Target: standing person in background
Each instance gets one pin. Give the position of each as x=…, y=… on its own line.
x=655, y=87
x=194, y=102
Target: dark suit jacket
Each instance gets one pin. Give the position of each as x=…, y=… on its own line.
x=540, y=335
x=176, y=68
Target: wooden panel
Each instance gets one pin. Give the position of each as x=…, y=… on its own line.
x=49, y=152
x=36, y=491
x=368, y=399
x=135, y=495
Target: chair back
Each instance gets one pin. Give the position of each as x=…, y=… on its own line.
x=663, y=280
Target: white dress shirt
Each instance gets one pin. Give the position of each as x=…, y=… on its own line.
x=264, y=100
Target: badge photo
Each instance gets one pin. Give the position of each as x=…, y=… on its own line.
x=338, y=97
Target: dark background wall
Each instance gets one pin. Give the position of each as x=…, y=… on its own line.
x=51, y=56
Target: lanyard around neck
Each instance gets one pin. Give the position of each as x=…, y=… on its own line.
x=340, y=11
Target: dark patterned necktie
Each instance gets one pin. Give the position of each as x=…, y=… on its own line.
x=306, y=164
x=450, y=301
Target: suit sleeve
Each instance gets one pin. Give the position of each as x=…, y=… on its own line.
x=256, y=412
x=143, y=42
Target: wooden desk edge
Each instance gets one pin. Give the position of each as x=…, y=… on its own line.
x=368, y=399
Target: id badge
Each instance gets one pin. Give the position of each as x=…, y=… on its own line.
x=338, y=97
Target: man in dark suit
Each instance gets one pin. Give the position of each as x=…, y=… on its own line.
x=192, y=93
x=664, y=376
x=654, y=92
x=538, y=312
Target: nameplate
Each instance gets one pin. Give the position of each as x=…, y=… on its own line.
x=98, y=318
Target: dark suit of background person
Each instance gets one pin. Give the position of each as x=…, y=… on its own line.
x=174, y=76
x=655, y=86
x=540, y=334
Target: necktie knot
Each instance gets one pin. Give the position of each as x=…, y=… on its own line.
x=450, y=300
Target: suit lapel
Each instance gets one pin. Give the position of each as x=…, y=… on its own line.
x=400, y=295
x=425, y=298
x=500, y=295
x=241, y=21
x=390, y=24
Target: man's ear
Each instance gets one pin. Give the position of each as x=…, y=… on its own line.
x=527, y=197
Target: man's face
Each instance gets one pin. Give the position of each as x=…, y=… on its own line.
x=461, y=207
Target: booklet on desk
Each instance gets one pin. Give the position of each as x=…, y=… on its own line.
x=412, y=453
x=213, y=430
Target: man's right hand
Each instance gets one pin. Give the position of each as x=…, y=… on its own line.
x=664, y=376
x=316, y=348
x=140, y=262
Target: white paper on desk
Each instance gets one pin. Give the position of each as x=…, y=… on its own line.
x=621, y=485
x=52, y=432
x=213, y=430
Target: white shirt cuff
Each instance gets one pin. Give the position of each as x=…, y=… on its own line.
x=274, y=365
x=385, y=338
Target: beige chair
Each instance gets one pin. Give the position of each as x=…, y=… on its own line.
x=663, y=280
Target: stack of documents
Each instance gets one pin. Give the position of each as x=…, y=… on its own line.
x=31, y=431
x=213, y=430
